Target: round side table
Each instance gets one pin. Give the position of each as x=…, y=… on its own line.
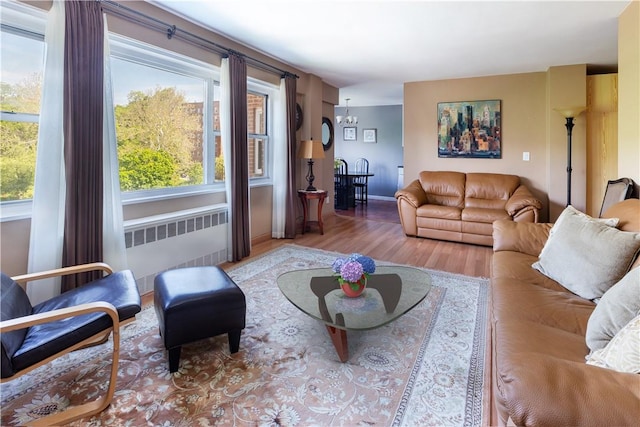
x=305, y=196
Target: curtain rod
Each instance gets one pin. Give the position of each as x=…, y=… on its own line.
x=115, y=8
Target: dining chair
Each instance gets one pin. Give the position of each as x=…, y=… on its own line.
x=616, y=191
x=361, y=183
x=341, y=184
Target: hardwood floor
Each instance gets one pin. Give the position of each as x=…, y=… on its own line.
x=377, y=235
x=377, y=210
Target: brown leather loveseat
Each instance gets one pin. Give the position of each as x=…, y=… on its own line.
x=540, y=332
x=461, y=207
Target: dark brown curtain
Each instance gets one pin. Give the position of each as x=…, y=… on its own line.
x=290, y=214
x=83, y=104
x=240, y=236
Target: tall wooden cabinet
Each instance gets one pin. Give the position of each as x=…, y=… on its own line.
x=602, y=137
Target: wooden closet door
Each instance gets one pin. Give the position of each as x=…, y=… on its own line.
x=602, y=137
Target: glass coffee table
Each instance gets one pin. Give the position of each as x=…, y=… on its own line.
x=391, y=292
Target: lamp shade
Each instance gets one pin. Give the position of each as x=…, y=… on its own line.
x=567, y=112
x=310, y=149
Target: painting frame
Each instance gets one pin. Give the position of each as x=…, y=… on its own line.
x=370, y=135
x=350, y=133
x=470, y=129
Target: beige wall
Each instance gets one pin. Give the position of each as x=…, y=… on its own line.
x=526, y=114
x=14, y=246
x=260, y=199
x=629, y=92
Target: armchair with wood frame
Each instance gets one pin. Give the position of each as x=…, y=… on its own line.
x=32, y=336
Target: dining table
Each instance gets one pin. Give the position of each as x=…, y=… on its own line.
x=345, y=193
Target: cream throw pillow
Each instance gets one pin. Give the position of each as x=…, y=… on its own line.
x=622, y=354
x=616, y=308
x=586, y=256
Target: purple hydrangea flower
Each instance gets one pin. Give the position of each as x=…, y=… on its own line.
x=337, y=264
x=351, y=271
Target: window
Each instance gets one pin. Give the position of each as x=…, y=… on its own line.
x=166, y=109
x=167, y=119
x=257, y=133
x=21, y=68
x=261, y=100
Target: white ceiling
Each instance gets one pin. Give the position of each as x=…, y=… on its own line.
x=369, y=48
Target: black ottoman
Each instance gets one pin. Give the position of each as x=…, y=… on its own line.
x=196, y=303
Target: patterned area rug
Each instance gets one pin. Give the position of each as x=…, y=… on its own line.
x=424, y=369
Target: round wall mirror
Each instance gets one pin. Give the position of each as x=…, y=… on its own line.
x=299, y=116
x=327, y=133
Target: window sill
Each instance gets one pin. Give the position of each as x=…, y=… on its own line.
x=15, y=211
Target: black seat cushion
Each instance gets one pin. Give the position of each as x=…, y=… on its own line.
x=13, y=303
x=42, y=341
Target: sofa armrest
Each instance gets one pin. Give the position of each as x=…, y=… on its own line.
x=413, y=194
x=525, y=237
x=522, y=199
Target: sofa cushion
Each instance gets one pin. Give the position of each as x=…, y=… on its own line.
x=443, y=188
x=598, y=255
x=622, y=353
x=489, y=190
x=515, y=301
x=517, y=266
x=616, y=308
x=438, y=211
x=484, y=215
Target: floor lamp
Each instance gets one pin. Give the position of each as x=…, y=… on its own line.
x=569, y=113
x=310, y=149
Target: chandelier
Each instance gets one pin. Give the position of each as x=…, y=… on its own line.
x=347, y=120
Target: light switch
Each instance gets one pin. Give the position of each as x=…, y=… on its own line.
x=525, y=156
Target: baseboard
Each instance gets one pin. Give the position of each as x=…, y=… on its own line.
x=386, y=198
x=260, y=239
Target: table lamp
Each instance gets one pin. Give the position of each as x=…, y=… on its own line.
x=310, y=149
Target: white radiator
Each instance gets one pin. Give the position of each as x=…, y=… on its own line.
x=196, y=237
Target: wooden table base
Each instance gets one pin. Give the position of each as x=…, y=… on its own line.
x=387, y=285
x=305, y=196
x=339, y=338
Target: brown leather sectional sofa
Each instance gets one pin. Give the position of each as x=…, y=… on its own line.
x=539, y=376
x=462, y=207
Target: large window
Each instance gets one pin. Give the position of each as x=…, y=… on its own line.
x=166, y=115
x=21, y=66
x=168, y=121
